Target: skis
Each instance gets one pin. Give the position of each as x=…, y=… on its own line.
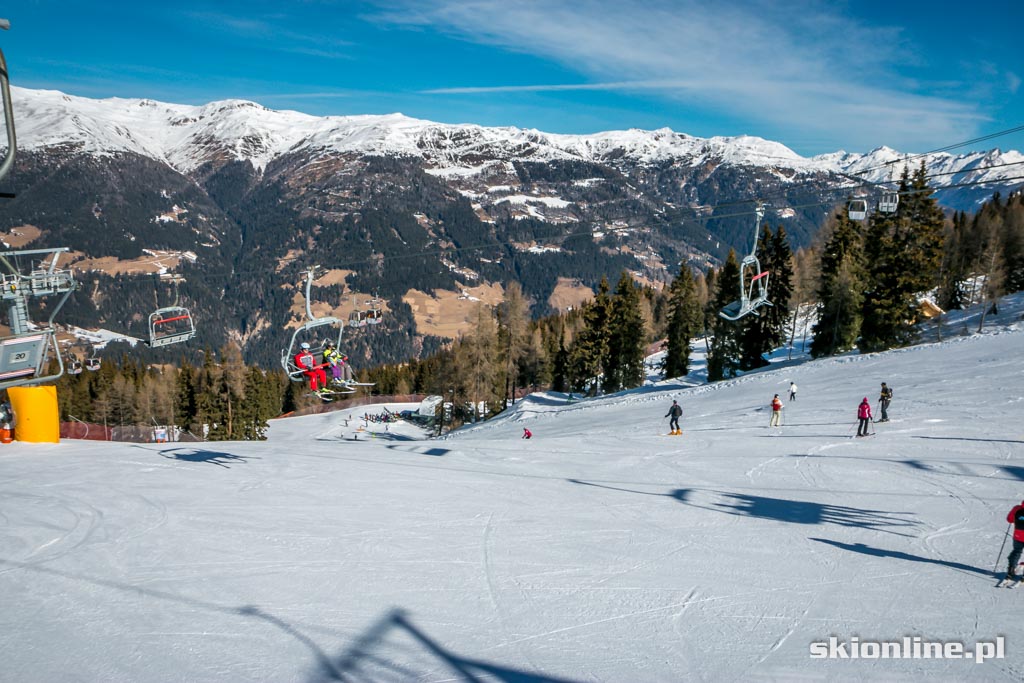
x=1010, y=583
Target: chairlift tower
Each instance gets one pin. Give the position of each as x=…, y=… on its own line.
x=25, y=352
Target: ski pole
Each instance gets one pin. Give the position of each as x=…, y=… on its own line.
x=996, y=565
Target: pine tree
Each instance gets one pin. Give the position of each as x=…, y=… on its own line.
x=839, y=291
x=904, y=255
x=724, y=357
x=685, y=321
x=624, y=362
x=590, y=347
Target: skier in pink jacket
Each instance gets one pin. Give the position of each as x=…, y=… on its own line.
x=864, y=416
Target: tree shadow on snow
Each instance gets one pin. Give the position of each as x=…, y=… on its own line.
x=396, y=649
x=899, y=555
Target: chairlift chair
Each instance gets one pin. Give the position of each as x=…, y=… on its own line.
x=857, y=209
x=753, y=281
x=315, y=331
x=170, y=325
x=889, y=202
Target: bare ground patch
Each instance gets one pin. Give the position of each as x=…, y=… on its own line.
x=20, y=236
x=449, y=314
x=569, y=293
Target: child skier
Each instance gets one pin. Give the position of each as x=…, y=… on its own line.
x=527, y=433
x=863, y=417
x=675, y=412
x=792, y=391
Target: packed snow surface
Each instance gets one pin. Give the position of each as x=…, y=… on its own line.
x=599, y=550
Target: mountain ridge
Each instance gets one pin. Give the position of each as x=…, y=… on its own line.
x=187, y=136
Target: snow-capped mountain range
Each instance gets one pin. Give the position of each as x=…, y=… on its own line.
x=186, y=136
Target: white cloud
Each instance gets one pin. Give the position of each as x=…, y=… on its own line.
x=1012, y=82
x=804, y=67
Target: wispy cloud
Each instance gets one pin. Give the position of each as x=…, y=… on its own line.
x=273, y=34
x=804, y=66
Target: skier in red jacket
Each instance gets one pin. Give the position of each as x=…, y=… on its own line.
x=527, y=433
x=1016, y=517
x=864, y=415
x=306, y=361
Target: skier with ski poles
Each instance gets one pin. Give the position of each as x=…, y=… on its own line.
x=1016, y=518
x=675, y=412
x=776, y=419
x=863, y=417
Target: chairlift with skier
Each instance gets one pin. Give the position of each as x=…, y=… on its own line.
x=314, y=332
x=753, y=281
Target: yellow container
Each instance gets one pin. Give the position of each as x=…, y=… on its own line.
x=37, y=419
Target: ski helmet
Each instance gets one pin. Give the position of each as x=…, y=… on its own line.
x=305, y=345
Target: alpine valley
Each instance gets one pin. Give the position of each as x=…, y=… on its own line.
x=224, y=206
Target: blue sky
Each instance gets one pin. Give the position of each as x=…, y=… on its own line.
x=816, y=76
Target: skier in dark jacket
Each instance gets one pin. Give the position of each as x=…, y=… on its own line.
x=675, y=412
x=1016, y=517
x=883, y=402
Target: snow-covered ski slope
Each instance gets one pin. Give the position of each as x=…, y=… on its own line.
x=599, y=550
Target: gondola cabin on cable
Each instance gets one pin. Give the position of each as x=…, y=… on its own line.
x=857, y=209
x=374, y=312
x=92, y=364
x=889, y=202
x=357, y=318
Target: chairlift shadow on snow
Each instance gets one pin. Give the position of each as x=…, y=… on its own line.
x=678, y=494
x=900, y=555
x=807, y=512
x=419, y=450
x=394, y=648
x=965, y=438
x=200, y=455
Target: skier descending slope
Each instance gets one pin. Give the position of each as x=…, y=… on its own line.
x=1016, y=518
x=675, y=412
